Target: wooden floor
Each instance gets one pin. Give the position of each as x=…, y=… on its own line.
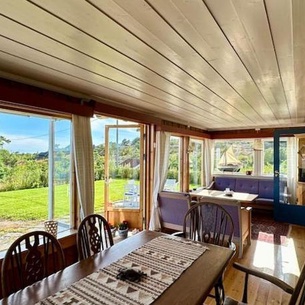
x=283, y=261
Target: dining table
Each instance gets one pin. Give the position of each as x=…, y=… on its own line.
x=180, y=272
x=222, y=195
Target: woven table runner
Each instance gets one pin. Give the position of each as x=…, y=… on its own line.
x=162, y=259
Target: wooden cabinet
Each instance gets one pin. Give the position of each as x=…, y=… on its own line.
x=301, y=193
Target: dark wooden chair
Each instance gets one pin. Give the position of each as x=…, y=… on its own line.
x=31, y=257
x=210, y=223
x=297, y=293
x=94, y=235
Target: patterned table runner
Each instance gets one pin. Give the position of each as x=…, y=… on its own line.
x=162, y=259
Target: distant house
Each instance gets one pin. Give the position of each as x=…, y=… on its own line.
x=131, y=162
x=42, y=155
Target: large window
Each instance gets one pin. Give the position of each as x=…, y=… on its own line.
x=174, y=169
x=233, y=156
x=241, y=156
x=195, y=152
x=34, y=173
x=268, y=153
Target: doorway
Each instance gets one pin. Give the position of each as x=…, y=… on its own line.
x=123, y=195
x=289, y=175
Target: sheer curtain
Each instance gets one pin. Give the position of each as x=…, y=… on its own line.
x=208, y=160
x=84, y=165
x=160, y=174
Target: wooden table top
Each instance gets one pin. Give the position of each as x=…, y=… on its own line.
x=191, y=288
x=237, y=196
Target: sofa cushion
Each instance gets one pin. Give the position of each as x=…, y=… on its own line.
x=247, y=186
x=266, y=189
x=221, y=183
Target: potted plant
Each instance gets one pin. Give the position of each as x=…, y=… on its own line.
x=123, y=229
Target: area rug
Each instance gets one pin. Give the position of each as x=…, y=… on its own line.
x=266, y=229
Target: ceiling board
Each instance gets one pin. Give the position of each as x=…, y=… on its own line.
x=210, y=64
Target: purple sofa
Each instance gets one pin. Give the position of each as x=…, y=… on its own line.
x=262, y=186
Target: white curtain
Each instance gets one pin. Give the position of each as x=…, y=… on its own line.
x=160, y=174
x=292, y=168
x=84, y=165
x=208, y=160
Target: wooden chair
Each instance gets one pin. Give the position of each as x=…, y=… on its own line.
x=297, y=293
x=210, y=223
x=30, y=258
x=93, y=236
x=241, y=217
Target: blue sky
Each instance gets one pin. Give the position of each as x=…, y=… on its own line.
x=31, y=134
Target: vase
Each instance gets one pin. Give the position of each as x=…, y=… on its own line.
x=123, y=233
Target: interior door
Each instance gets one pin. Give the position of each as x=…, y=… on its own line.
x=123, y=194
x=289, y=175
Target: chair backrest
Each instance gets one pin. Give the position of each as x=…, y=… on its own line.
x=298, y=295
x=30, y=258
x=208, y=222
x=93, y=236
x=172, y=208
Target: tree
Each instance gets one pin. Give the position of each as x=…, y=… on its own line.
x=4, y=140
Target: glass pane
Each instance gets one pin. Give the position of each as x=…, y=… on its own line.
x=119, y=146
x=124, y=167
x=62, y=166
x=268, y=158
x=24, y=174
x=233, y=156
x=284, y=197
x=196, y=163
x=173, y=174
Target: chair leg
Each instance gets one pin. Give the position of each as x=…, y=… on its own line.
x=219, y=292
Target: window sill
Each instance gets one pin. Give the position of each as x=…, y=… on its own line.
x=66, y=238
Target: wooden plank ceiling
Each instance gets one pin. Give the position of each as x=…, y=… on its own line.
x=211, y=64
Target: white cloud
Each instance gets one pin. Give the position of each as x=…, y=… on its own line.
x=25, y=144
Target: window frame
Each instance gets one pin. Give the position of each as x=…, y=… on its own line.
x=258, y=158
x=67, y=227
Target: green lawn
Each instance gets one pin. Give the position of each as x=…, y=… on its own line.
x=32, y=204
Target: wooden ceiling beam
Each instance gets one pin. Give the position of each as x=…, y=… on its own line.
x=33, y=97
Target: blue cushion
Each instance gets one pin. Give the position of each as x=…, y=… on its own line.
x=265, y=189
x=247, y=186
x=221, y=183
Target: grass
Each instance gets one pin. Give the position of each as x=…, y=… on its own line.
x=32, y=204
